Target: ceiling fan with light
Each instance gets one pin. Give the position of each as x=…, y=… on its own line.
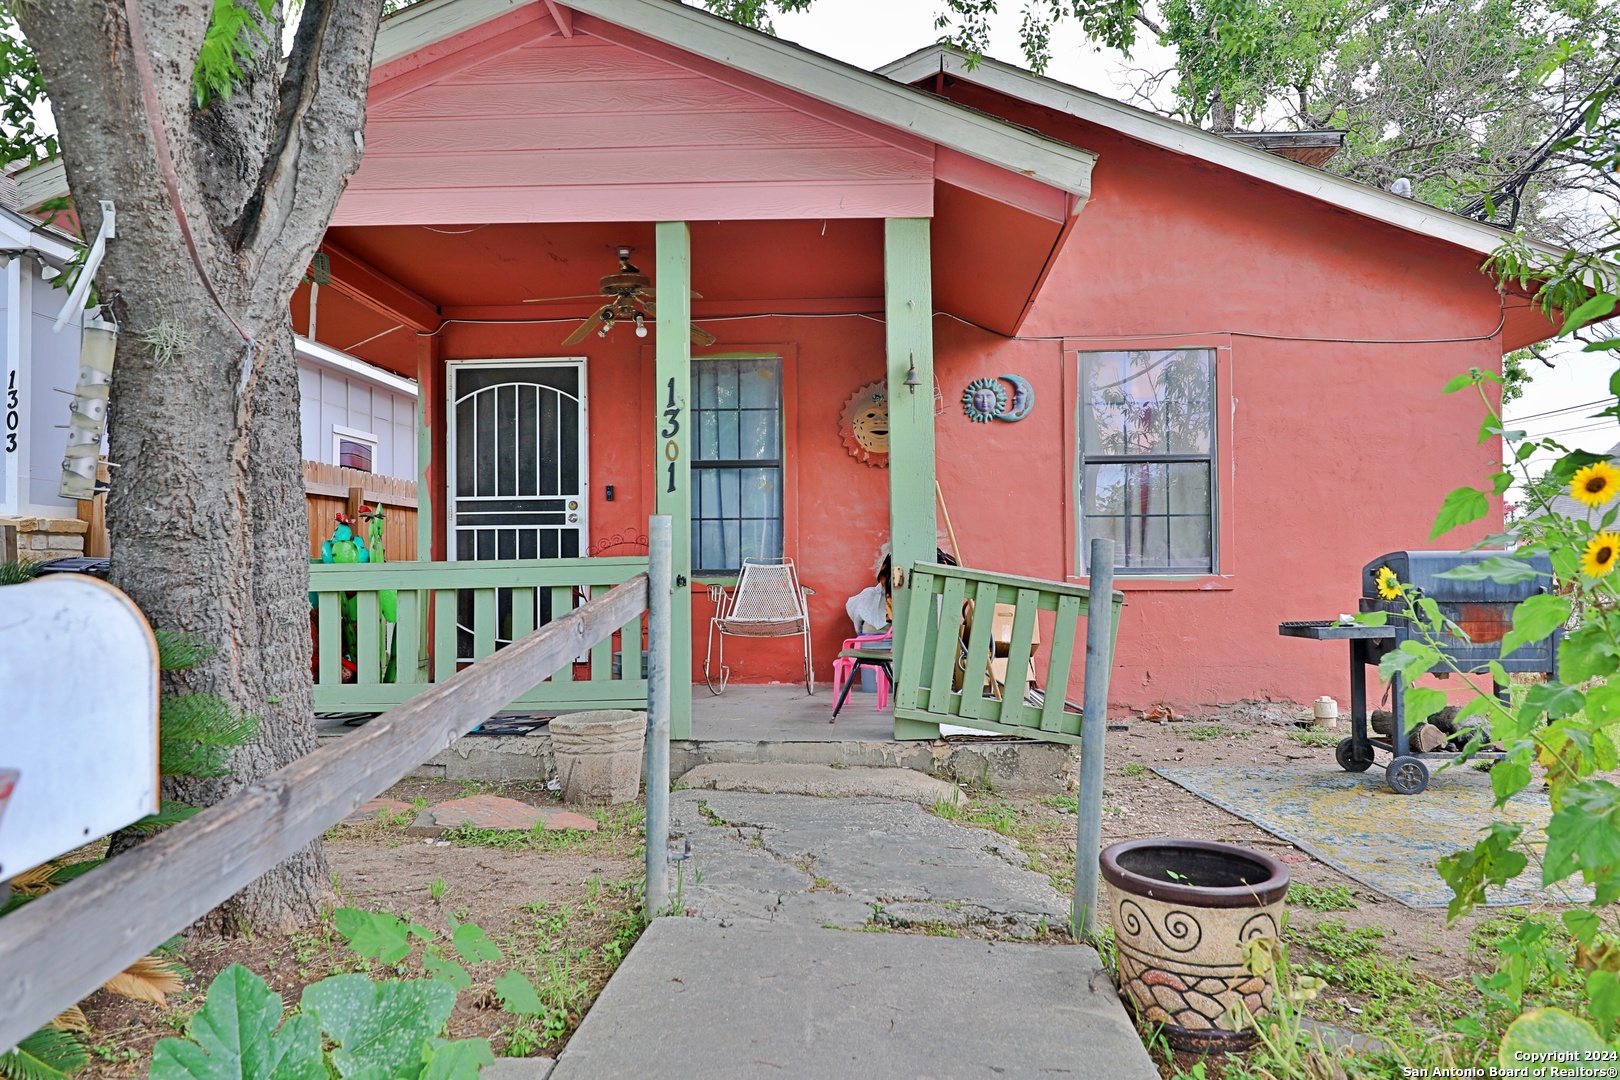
x=629, y=294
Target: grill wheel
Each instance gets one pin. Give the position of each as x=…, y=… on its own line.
x=1349, y=760
x=1407, y=775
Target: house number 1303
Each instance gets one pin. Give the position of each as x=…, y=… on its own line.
x=13, y=417
x=672, y=427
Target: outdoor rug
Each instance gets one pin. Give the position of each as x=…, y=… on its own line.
x=1355, y=824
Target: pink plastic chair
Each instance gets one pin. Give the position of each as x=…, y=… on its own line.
x=843, y=666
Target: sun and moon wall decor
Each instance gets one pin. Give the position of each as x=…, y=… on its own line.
x=864, y=424
x=986, y=399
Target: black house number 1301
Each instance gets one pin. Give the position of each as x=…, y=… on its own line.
x=672, y=427
x=13, y=417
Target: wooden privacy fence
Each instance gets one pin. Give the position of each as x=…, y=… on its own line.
x=962, y=662
x=62, y=946
x=450, y=614
x=330, y=489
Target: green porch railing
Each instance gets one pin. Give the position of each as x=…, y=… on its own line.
x=452, y=614
x=944, y=670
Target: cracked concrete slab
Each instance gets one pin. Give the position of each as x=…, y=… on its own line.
x=696, y=999
x=815, y=861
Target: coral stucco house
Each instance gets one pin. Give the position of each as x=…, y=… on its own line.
x=1227, y=361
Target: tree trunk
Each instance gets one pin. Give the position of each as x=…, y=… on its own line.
x=206, y=512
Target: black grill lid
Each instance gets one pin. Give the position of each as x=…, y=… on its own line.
x=1423, y=569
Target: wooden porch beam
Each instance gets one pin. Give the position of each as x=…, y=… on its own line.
x=909, y=304
x=672, y=469
x=370, y=287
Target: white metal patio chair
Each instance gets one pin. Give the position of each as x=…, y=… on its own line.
x=767, y=602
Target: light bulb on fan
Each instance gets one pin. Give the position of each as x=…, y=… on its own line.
x=641, y=326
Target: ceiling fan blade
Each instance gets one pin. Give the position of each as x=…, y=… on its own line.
x=648, y=306
x=556, y=299
x=702, y=337
x=586, y=327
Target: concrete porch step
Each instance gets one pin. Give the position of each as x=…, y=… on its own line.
x=823, y=780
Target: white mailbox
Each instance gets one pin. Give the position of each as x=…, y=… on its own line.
x=78, y=717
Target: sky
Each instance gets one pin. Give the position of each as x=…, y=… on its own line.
x=1558, y=401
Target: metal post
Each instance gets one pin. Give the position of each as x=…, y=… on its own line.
x=1093, y=730
x=660, y=600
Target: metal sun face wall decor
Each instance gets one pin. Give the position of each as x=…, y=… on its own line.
x=864, y=425
x=986, y=399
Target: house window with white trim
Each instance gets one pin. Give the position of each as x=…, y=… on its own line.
x=736, y=462
x=353, y=449
x=1147, y=458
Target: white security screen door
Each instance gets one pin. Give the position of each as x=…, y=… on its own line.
x=518, y=464
x=517, y=473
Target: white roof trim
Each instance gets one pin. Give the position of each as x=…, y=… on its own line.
x=1182, y=138
x=337, y=360
x=851, y=88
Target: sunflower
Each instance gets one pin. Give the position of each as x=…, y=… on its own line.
x=1600, y=555
x=1389, y=586
x=1595, y=484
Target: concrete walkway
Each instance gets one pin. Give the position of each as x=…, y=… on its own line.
x=771, y=975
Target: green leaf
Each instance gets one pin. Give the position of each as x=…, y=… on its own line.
x=1554, y=699
x=445, y=970
x=1595, y=308
x=1460, y=382
x=1606, y=345
x=169, y=813
x=1491, y=861
x=1534, y=619
x=233, y=1037
x=1499, y=568
x=474, y=945
x=1462, y=506
x=1588, y=653
x=1540, y=1032
x=1508, y=778
x=381, y=1025
x=1412, y=658
x=1372, y=618
x=377, y=934
x=1584, y=834
x=458, y=1060
x=1583, y=923
x=1603, y=1000
x=47, y=1054
x=517, y=994
x=1422, y=702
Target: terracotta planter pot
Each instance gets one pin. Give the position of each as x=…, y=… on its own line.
x=1182, y=910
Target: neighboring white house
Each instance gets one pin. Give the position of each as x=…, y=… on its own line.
x=355, y=414
x=351, y=412
x=39, y=372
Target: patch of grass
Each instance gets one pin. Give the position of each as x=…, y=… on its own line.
x=1318, y=738
x=1134, y=768
x=1321, y=897
x=1205, y=732
x=1063, y=804
x=997, y=815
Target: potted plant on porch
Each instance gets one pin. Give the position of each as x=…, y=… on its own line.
x=1182, y=912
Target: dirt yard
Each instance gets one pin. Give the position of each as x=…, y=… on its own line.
x=562, y=906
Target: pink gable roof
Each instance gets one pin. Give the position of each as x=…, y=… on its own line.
x=526, y=124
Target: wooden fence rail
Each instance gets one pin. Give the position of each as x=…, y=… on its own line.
x=61, y=947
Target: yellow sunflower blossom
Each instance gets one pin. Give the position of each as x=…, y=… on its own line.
x=1389, y=586
x=1600, y=555
x=1595, y=484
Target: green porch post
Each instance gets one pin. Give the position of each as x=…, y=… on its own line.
x=672, y=471
x=909, y=309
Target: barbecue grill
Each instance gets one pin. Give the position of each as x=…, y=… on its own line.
x=1482, y=609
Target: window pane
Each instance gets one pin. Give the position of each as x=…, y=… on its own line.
x=1157, y=514
x=736, y=512
x=1148, y=402
x=354, y=455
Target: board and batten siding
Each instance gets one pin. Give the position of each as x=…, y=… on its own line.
x=42, y=373
x=578, y=129
x=339, y=391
